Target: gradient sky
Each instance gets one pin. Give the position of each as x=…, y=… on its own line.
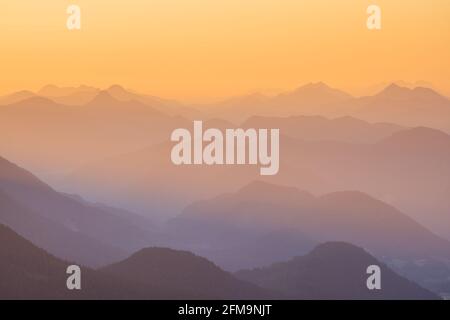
x=206, y=49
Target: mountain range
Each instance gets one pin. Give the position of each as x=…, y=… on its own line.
x=405, y=167
x=89, y=124
x=237, y=228
x=318, y=128
x=409, y=169
x=335, y=271
x=375, y=171
x=419, y=106
x=29, y=272
x=310, y=99
x=159, y=273
x=60, y=138
x=65, y=225
x=230, y=222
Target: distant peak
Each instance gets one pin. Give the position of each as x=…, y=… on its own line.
x=265, y=190
x=116, y=87
x=104, y=94
x=349, y=119
x=320, y=89
x=151, y=251
x=353, y=196
x=315, y=85
x=259, y=185
x=395, y=87
x=54, y=91
x=49, y=87
x=25, y=92
x=395, y=91
x=16, y=97
x=422, y=135
x=319, y=84
x=425, y=91
x=86, y=88
x=103, y=97
x=161, y=256
x=337, y=248
x=120, y=93
x=37, y=101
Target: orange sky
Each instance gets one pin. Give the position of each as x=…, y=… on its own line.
x=206, y=49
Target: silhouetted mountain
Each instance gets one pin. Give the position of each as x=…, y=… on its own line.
x=183, y=273
x=16, y=97
x=140, y=170
x=237, y=234
x=313, y=128
x=396, y=92
x=260, y=208
x=377, y=88
x=152, y=184
x=52, y=91
x=54, y=236
x=33, y=103
x=410, y=107
x=28, y=272
x=68, y=228
x=166, y=106
x=104, y=101
x=59, y=137
x=410, y=170
x=119, y=92
x=310, y=99
x=419, y=106
x=419, y=138
x=333, y=270
x=313, y=94
x=72, y=96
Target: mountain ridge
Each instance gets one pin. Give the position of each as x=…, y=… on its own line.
x=333, y=270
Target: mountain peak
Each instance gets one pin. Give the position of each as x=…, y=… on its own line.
x=320, y=90
x=182, y=273
x=333, y=270
x=395, y=86
x=16, y=97
x=35, y=101
x=262, y=187
x=103, y=98
x=318, y=85
x=394, y=90
x=12, y=174
x=314, y=86
x=51, y=90
x=418, y=136
x=54, y=91
x=425, y=92
x=120, y=93
x=48, y=87
x=337, y=247
x=161, y=253
x=263, y=190
x=115, y=88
